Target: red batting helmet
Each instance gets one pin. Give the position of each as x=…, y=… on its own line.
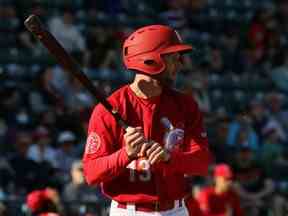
x=142, y=50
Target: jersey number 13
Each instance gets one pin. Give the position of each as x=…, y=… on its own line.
x=139, y=170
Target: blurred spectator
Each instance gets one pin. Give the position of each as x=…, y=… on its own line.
x=44, y=94
x=282, y=14
x=258, y=33
x=216, y=60
x=42, y=151
x=218, y=144
x=10, y=103
x=249, y=58
x=200, y=93
x=198, y=87
x=279, y=75
x=77, y=191
x=57, y=84
x=44, y=202
x=193, y=207
x=79, y=97
x=280, y=175
x=278, y=114
x=27, y=174
x=281, y=206
x=30, y=43
x=220, y=199
x=231, y=43
x=8, y=16
x=102, y=59
x=259, y=116
x=196, y=4
x=241, y=133
x=274, y=45
x=3, y=132
x=271, y=150
x=6, y=176
x=175, y=15
x=253, y=185
x=64, y=29
x=276, y=127
x=48, y=120
x=65, y=154
x=109, y=6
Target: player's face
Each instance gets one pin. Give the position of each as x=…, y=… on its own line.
x=223, y=182
x=173, y=63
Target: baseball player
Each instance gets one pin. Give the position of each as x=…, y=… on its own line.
x=220, y=199
x=43, y=202
x=142, y=168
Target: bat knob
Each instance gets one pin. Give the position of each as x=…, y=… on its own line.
x=34, y=24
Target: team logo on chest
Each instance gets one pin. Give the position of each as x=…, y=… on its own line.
x=93, y=143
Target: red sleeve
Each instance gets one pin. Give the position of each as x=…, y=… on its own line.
x=193, y=207
x=196, y=157
x=237, y=210
x=103, y=159
x=203, y=201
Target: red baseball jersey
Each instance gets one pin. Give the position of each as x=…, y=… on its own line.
x=224, y=204
x=105, y=159
x=193, y=207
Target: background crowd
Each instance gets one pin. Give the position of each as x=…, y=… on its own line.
x=238, y=73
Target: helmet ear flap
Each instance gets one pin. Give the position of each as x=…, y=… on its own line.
x=154, y=62
x=148, y=63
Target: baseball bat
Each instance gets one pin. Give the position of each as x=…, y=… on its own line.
x=36, y=27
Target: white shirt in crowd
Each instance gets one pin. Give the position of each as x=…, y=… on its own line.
x=68, y=35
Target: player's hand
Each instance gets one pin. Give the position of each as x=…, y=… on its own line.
x=157, y=153
x=145, y=146
x=134, y=138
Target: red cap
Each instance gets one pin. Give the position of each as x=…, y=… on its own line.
x=36, y=199
x=223, y=170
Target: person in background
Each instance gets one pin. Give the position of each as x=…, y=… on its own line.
x=26, y=173
x=220, y=199
x=252, y=183
x=259, y=116
x=45, y=202
x=64, y=155
x=77, y=192
x=193, y=207
x=241, y=133
x=277, y=113
x=271, y=150
x=42, y=151
x=66, y=31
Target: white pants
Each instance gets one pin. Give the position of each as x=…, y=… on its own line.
x=131, y=211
